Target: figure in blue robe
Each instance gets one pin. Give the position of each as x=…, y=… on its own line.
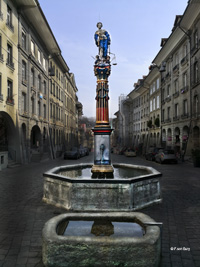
x=102, y=39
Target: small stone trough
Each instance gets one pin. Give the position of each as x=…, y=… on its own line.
x=86, y=194
x=107, y=251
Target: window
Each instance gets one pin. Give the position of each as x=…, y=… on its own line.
x=10, y=91
x=196, y=70
x=154, y=103
x=185, y=48
x=1, y=56
x=176, y=86
x=195, y=104
x=163, y=115
x=39, y=56
x=1, y=14
x=39, y=108
x=44, y=63
x=56, y=91
x=176, y=110
x=151, y=90
x=51, y=114
x=150, y=105
x=163, y=94
x=154, y=87
x=185, y=107
x=23, y=40
x=32, y=77
x=185, y=79
x=23, y=71
x=45, y=111
x=158, y=102
x=33, y=105
x=32, y=48
x=157, y=83
x=9, y=18
x=168, y=90
x=23, y=102
x=10, y=56
x=196, y=41
x=168, y=113
x=45, y=88
x=39, y=83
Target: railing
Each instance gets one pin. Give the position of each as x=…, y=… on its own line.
x=10, y=100
x=184, y=89
x=10, y=63
x=176, y=118
x=176, y=94
x=184, y=60
x=9, y=24
x=175, y=68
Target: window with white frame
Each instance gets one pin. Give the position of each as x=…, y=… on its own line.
x=185, y=107
x=154, y=87
x=32, y=48
x=154, y=103
x=23, y=71
x=157, y=83
x=185, y=80
x=23, y=39
x=150, y=105
x=158, y=102
x=39, y=56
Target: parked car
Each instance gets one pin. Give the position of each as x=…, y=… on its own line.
x=150, y=155
x=82, y=151
x=74, y=153
x=87, y=151
x=130, y=153
x=166, y=155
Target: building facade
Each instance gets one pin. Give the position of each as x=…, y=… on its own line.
x=9, y=138
x=173, y=85
x=38, y=101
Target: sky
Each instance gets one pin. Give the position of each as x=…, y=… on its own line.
x=136, y=28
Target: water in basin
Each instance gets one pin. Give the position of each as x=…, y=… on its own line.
x=119, y=173
x=100, y=228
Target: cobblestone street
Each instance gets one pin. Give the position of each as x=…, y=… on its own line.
x=23, y=214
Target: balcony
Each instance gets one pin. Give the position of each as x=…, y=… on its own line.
x=24, y=82
x=10, y=63
x=176, y=118
x=168, y=98
x=184, y=60
x=10, y=100
x=176, y=94
x=176, y=68
x=185, y=116
x=10, y=26
x=168, y=120
x=168, y=75
x=184, y=89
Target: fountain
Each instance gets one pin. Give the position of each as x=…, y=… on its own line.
x=101, y=187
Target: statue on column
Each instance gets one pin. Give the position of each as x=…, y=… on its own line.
x=102, y=40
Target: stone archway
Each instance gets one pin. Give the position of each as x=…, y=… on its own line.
x=35, y=137
x=9, y=137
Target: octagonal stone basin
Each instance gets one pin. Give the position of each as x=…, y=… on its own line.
x=84, y=193
x=101, y=250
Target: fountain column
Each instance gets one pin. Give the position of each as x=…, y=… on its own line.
x=102, y=159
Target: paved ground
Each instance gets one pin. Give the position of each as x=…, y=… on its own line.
x=23, y=214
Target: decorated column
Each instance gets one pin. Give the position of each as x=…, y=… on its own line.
x=102, y=159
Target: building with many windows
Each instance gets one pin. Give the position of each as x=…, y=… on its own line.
x=9, y=138
x=38, y=101
x=173, y=85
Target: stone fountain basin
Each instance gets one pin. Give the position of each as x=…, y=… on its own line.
x=101, y=251
x=102, y=194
